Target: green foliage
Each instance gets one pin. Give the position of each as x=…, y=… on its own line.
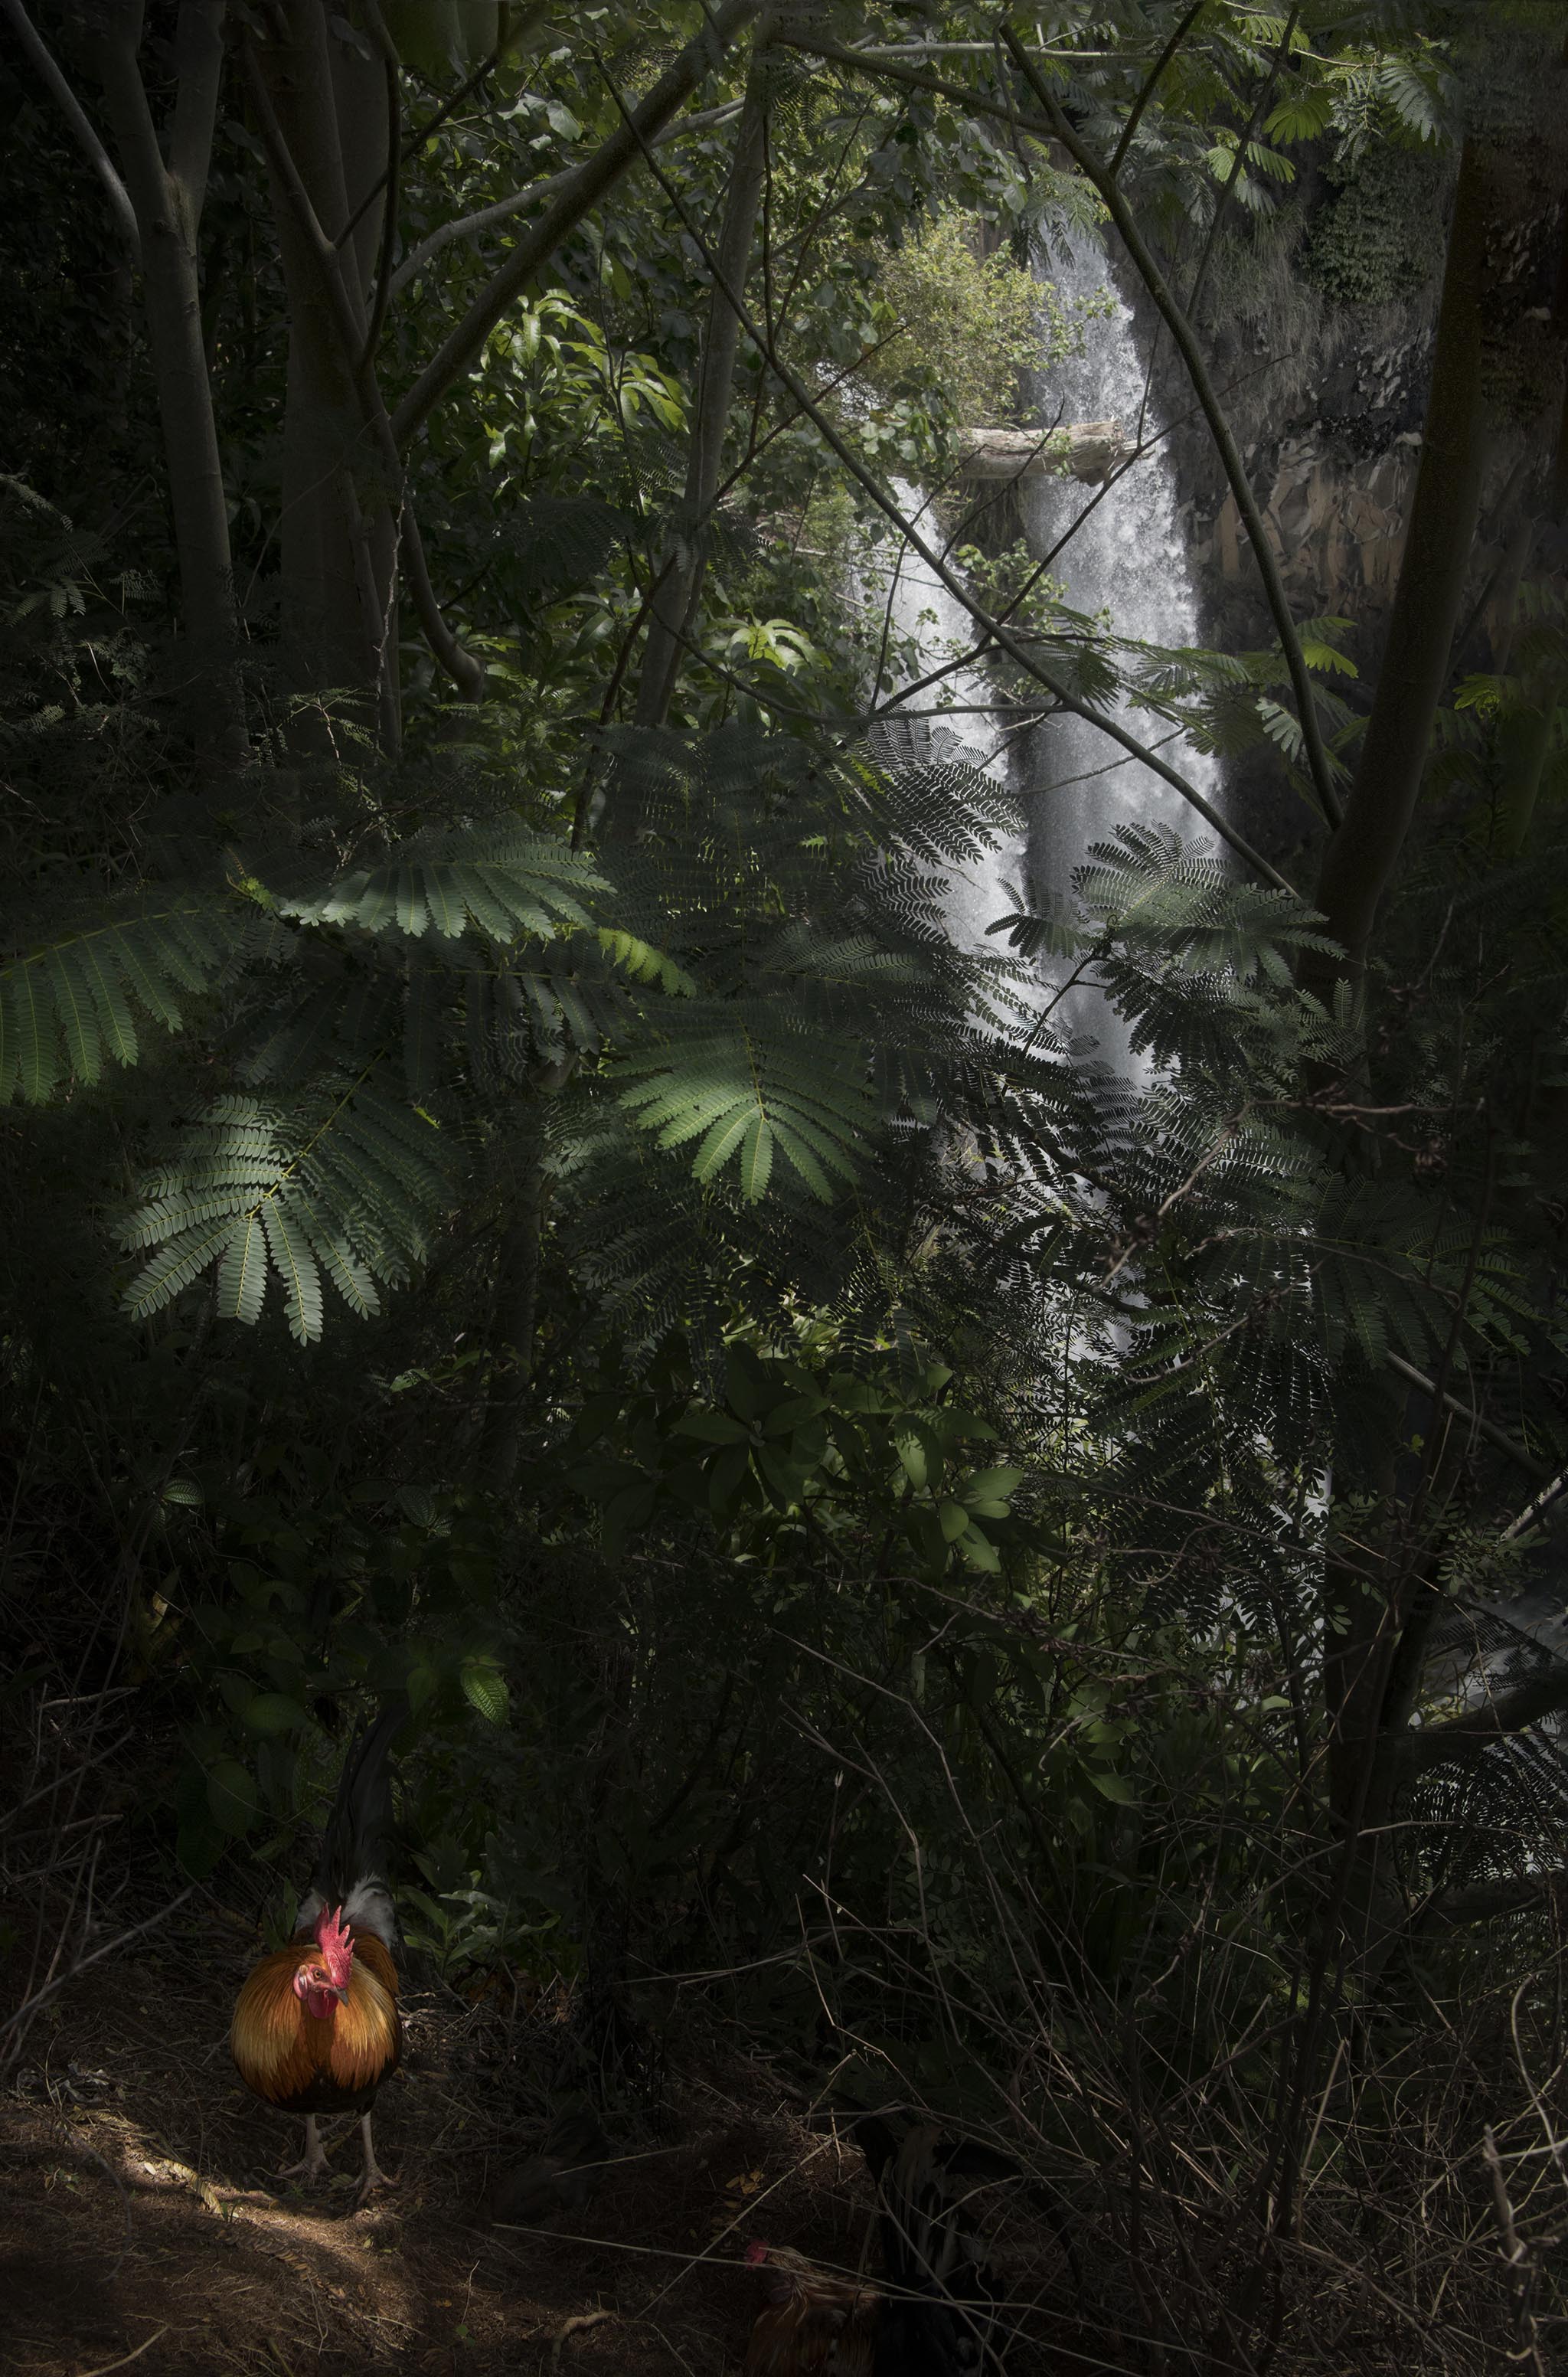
x=794, y=1453
x=1379, y=239
x=66, y=1008
x=970, y=330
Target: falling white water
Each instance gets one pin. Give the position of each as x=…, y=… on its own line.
x=1124, y=556
x=973, y=729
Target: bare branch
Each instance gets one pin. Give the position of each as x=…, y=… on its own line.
x=71, y=109
x=1058, y=128
x=1492, y=1720
x=1135, y=114
x=1477, y=1420
x=474, y=226
x=391, y=179
x=589, y=182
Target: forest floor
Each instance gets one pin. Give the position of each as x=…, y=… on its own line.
x=142, y=2225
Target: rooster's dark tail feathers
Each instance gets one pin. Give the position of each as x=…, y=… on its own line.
x=945, y=2297
x=357, y=1843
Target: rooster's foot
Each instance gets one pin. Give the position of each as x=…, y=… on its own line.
x=314, y=2165
x=373, y=2176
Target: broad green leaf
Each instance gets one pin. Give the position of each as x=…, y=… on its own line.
x=232, y=1795
x=485, y=1687
x=273, y=1712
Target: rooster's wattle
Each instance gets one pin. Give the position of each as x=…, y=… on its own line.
x=316, y=2028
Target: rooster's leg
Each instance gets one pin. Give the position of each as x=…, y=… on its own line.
x=315, y=2163
x=373, y=2175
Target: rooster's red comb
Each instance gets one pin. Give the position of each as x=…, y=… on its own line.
x=332, y=1937
x=756, y=2252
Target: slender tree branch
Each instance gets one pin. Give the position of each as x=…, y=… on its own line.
x=937, y=564
x=1493, y=1720
x=65, y=98
x=172, y=291
x=520, y=25
x=474, y=226
x=1360, y=859
x=1219, y=428
x=391, y=180
x=675, y=602
x=467, y=674
x=1477, y=1420
x=1058, y=128
x=589, y=182
x=1259, y=105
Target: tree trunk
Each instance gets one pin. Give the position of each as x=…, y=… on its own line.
x=1371, y=1672
x=673, y=609
x=337, y=528
x=168, y=202
x=1363, y=853
x=516, y=1298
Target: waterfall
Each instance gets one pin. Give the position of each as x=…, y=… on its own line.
x=975, y=730
x=1127, y=559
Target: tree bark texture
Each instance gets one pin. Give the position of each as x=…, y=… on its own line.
x=168, y=201
x=673, y=610
x=338, y=532
x=1363, y=853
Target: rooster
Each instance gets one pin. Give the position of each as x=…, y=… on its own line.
x=316, y=2029
x=934, y=2311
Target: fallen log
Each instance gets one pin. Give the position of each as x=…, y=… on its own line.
x=1089, y=451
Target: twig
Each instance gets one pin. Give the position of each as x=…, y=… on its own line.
x=71, y=109
x=1517, y=2255
x=30, y=2006
x=1134, y=113
x=126, y=2358
x=575, y=2326
x=1478, y=1421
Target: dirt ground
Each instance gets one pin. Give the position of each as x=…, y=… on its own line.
x=142, y=2225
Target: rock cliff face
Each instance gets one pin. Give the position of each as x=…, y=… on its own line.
x=1334, y=473
x=1326, y=399
x=1336, y=529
